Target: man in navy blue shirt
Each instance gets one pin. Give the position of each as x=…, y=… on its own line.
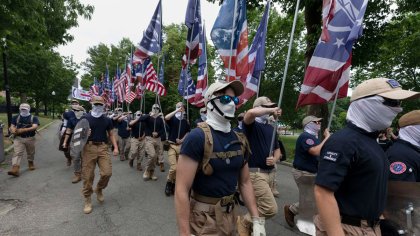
x=137, y=147
x=208, y=209
x=67, y=116
x=259, y=132
x=404, y=154
x=23, y=127
x=305, y=165
x=203, y=116
x=122, y=121
x=179, y=128
x=351, y=184
x=96, y=152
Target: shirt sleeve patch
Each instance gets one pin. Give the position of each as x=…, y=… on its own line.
x=310, y=141
x=397, y=168
x=331, y=156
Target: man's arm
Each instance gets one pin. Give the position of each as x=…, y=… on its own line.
x=25, y=130
x=170, y=115
x=186, y=170
x=250, y=115
x=328, y=210
x=247, y=191
x=271, y=161
x=67, y=134
x=113, y=141
x=316, y=150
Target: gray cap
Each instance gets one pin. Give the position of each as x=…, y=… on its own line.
x=309, y=119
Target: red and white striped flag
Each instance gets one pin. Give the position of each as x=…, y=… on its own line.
x=152, y=82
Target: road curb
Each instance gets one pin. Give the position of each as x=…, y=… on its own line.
x=286, y=164
x=10, y=148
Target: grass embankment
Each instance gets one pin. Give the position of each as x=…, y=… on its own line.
x=43, y=120
x=289, y=142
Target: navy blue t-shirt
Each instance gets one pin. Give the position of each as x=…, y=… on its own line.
x=259, y=137
x=71, y=124
x=69, y=115
x=405, y=161
x=99, y=127
x=355, y=168
x=25, y=122
x=135, y=129
x=122, y=129
x=174, y=128
x=223, y=181
x=304, y=160
x=153, y=125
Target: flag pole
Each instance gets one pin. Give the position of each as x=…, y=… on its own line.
x=337, y=90
x=286, y=66
x=231, y=39
x=259, y=84
x=205, y=46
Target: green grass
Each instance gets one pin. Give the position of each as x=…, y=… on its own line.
x=43, y=120
x=289, y=142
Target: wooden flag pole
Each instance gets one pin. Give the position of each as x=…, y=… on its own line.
x=285, y=71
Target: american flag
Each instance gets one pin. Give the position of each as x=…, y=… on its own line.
x=256, y=58
x=119, y=84
x=186, y=86
x=152, y=82
x=235, y=55
x=329, y=68
x=107, y=88
x=94, y=88
x=202, y=72
x=152, y=38
x=193, y=23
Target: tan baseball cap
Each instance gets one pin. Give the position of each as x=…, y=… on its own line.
x=309, y=119
x=236, y=85
x=388, y=88
x=97, y=99
x=411, y=118
x=77, y=108
x=263, y=101
x=24, y=106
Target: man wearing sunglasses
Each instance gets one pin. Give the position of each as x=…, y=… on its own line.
x=203, y=116
x=305, y=165
x=210, y=208
x=259, y=132
x=351, y=183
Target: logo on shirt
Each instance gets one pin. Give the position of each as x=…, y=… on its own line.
x=331, y=156
x=310, y=141
x=397, y=168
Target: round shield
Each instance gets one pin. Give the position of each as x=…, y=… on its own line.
x=58, y=137
x=80, y=137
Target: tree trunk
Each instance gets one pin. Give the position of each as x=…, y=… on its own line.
x=23, y=98
x=45, y=109
x=313, y=22
x=37, y=107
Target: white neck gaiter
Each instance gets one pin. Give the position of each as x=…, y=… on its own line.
x=203, y=117
x=179, y=115
x=371, y=115
x=262, y=119
x=78, y=114
x=97, y=111
x=24, y=113
x=410, y=134
x=312, y=128
x=216, y=120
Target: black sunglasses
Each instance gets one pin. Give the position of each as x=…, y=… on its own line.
x=269, y=106
x=317, y=122
x=391, y=102
x=226, y=99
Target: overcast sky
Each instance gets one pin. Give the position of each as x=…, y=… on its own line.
x=112, y=20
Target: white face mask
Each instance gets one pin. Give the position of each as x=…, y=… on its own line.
x=97, y=111
x=203, y=117
x=24, y=113
x=262, y=119
x=217, y=120
x=410, y=134
x=78, y=114
x=312, y=128
x=179, y=115
x=155, y=111
x=371, y=115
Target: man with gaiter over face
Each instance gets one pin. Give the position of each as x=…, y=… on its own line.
x=203, y=116
x=259, y=132
x=23, y=127
x=79, y=111
x=154, y=126
x=211, y=166
x=351, y=184
x=179, y=128
x=305, y=165
x=67, y=116
x=404, y=154
x=96, y=151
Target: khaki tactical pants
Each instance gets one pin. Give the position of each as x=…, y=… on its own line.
x=173, y=154
x=91, y=155
x=349, y=230
x=124, y=146
x=266, y=203
x=137, y=149
x=153, y=148
x=297, y=175
x=20, y=145
x=161, y=158
x=203, y=220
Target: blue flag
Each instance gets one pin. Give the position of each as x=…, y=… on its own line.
x=161, y=70
x=186, y=86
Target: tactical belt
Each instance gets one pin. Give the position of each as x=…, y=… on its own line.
x=259, y=170
x=173, y=143
x=355, y=221
x=214, y=200
x=96, y=143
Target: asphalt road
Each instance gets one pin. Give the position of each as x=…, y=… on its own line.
x=45, y=202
